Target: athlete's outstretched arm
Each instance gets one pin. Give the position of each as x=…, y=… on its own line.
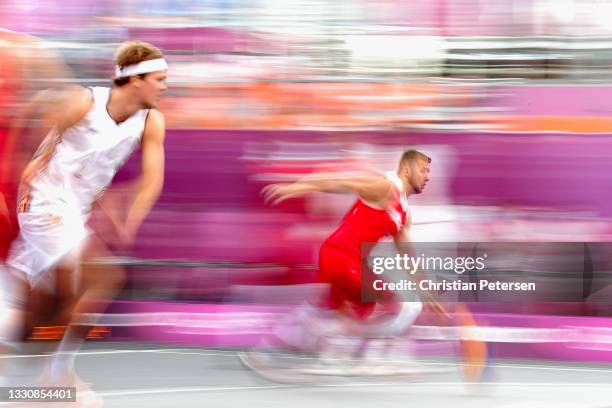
x=152, y=179
x=372, y=188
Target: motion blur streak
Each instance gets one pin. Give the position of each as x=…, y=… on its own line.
x=510, y=98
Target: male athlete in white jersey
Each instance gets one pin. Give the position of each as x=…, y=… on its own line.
x=95, y=132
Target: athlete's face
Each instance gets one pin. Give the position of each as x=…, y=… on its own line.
x=418, y=175
x=151, y=87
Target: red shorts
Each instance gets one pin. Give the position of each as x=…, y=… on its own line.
x=342, y=271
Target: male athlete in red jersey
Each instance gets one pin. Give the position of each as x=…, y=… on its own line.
x=381, y=210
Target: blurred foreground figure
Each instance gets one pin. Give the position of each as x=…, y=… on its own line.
x=381, y=210
x=31, y=81
x=94, y=133
x=29, y=71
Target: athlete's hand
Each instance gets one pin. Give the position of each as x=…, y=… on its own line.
x=118, y=235
x=432, y=304
x=125, y=238
x=437, y=308
x=275, y=194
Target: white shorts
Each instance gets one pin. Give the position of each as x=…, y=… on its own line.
x=48, y=236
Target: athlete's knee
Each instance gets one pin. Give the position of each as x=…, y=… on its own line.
x=108, y=277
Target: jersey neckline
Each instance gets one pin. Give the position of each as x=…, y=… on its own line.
x=118, y=124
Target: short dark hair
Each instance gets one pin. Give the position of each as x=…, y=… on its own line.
x=412, y=155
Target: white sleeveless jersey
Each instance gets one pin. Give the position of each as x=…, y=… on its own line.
x=87, y=157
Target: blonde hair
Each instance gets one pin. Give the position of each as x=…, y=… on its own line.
x=412, y=155
x=133, y=52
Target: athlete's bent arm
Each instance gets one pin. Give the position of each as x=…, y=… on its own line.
x=152, y=180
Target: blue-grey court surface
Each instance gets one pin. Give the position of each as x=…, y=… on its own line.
x=134, y=375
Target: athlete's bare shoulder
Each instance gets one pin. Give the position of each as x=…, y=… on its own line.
x=78, y=98
x=155, y=125
x=156, y=118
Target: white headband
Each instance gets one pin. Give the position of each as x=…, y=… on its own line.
x=143, y=67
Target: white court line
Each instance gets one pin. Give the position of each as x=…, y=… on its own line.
x=186, y=390
x=94, y=353
x=533, y=367
x=462, y=385
x=424, y=362
x=161, y=351
x=180, y=351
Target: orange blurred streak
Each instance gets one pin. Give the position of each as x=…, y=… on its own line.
x=574, y=124
x=268, y=105
x=40, y=333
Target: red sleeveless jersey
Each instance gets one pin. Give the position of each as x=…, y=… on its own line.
x=366, y=223
x=340, y=255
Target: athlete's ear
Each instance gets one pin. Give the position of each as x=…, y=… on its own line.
x=136, y=80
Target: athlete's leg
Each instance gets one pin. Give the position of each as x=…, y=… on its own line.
x=13, y=293
x=475, y=352
x=390, y=324
x=100, y=284
x=13, y=284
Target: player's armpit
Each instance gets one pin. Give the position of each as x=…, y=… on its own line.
x=374, y=190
